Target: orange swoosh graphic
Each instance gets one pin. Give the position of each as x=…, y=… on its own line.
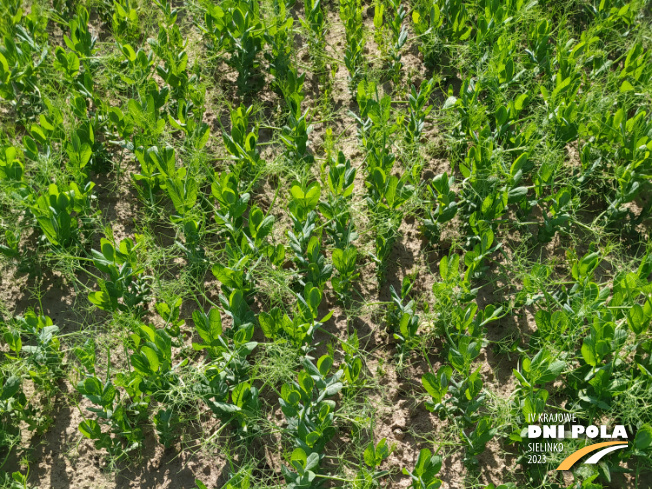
x=574, y=457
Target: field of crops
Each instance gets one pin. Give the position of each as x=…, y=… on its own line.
x=303, y=244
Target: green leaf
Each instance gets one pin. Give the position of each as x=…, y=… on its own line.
x=239, y=394
x=312, y=438
x=101, y=299
x=333, y=389
x=324, y=364
x=637, y=320
x=313, y=299
x=534, y=404
x=152, y=358
x=12, y=338
x=433, y=387
x=108, y=394
x=338, y=259
x=270, y=322
x=370, y=455
x=3, y=63
x=643, y=439
x=204, y=133
x=626, y=87
x=209, y=326
x=10, y=388
x=90, y=429
x=215, y=322
x=90, y=387
x=299, y=459
x=378, y=15
x=588, y=352
x=306, y=382
x=313, y=194
x=379, y=178
x=297, y=192
x=141, y=364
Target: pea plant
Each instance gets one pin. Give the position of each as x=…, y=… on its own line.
x=236, y=28
x=402, y=318
x=127, y=288
x=387, y=193
x=351, y=16
x=299, y=330
x=340, y=228
x=315, y=25
x=310, y=418
x=62, y=214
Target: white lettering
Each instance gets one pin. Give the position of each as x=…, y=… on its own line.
x=549, y=431
x=533, y=431
x=603, y=432
x=619, y=432
x=592, y=431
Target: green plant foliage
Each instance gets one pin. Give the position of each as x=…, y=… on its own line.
x=126, y=288
x=301, y=243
